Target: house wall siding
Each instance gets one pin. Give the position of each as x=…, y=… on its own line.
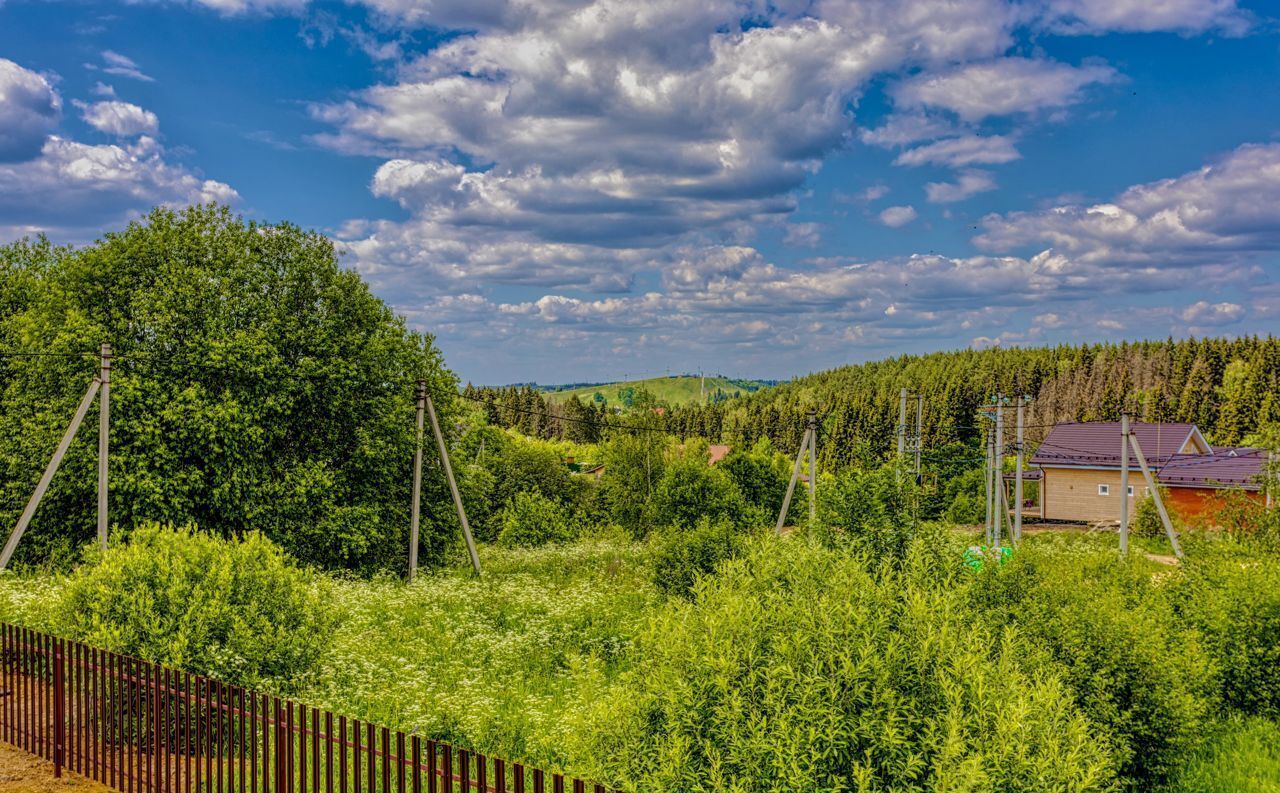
x=1072, y=494
x=1194, y=503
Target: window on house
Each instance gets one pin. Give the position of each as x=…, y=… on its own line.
x=1104, y=490
x=1130, y=491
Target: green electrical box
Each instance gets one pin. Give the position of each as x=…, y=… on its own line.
x=975, y=556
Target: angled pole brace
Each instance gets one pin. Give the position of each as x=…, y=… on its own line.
x=791, y=486
x=1155, y=494
x=49, y=471
x=453, y=485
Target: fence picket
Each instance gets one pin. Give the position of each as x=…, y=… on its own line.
x=139, y=727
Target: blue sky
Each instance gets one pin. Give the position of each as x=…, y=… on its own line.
x=577, y=189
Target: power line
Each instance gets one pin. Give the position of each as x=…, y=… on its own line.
x=45, y=354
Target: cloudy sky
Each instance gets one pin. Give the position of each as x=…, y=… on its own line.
x=583, y=189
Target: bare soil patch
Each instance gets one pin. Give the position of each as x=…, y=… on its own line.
x=25, y=773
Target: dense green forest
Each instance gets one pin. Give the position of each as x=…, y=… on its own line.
x=1226, y=386
x=258, y=385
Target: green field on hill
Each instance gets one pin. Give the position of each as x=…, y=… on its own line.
x=672, y=390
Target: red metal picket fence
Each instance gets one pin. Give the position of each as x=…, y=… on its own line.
x=140, y=727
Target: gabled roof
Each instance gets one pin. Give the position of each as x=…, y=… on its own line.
x=1241, y=468
x=1098, y=443
x=717, y=452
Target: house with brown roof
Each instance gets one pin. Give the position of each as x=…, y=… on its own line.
x=1080, y=470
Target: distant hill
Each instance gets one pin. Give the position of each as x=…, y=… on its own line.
x=1229, y=387
x=673, y=390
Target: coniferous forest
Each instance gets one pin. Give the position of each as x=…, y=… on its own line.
x=1228, y=387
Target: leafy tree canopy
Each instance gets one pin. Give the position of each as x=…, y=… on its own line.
x=260, y=386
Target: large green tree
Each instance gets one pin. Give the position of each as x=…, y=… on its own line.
x=259, y=386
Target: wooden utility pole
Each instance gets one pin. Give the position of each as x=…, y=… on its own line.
x=415, y=510
x=104, y=431
x=1270, y=479
x=791, y=485
x=997, y=475
x=987, y=439
x=1155, y=494
x=453, y=486
x=902, y=427
x=1124, y=483
x=1017, y=477
x=47, y=477
x=919, y=432
x=813, y=465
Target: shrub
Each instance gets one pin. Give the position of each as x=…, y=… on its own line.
x=633, y=466
x=1244, y=755
x=690, y=489
x=795, y=668
x=965, y=500
x=682, y=555
x=532, y=519
x=1146, y=518
x=238, y=610
x=757, y=475
x=521, y=465
x=1248, y=521
x=1136, y=670
x=1233, y=598
x=869, y=511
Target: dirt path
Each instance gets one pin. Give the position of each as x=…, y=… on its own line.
x=25, y=773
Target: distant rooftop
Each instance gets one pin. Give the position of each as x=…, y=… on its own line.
x=1178, y=453
x=1098, y=443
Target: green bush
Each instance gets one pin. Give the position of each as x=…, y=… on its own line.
x=683, y=555
x=523, y=465
x=633, y=465
x=690, y=489
x=758, y=476
x=870, y=511
x=1233, y=598
x=1111, y=628
x=238, y=610
x=1244, y=755
x=1146, y=519
x=795, y=668
x=965, y=499
x=531, y=519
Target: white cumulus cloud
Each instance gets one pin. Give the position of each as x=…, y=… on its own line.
x=896, y=217
x=1216, y=214
x=1144, y=16
x=968, y=183
x=122, y=119
x=29, y=110
x=1002, y=87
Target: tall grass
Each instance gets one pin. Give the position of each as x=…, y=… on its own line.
x=809, y=661
x=489, y=663
x=1243, y=756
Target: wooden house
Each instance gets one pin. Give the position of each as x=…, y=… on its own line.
x=1079, y=465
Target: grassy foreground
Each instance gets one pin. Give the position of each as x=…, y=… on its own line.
x=801, y=663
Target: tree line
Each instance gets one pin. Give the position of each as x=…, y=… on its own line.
x=1228, y=387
